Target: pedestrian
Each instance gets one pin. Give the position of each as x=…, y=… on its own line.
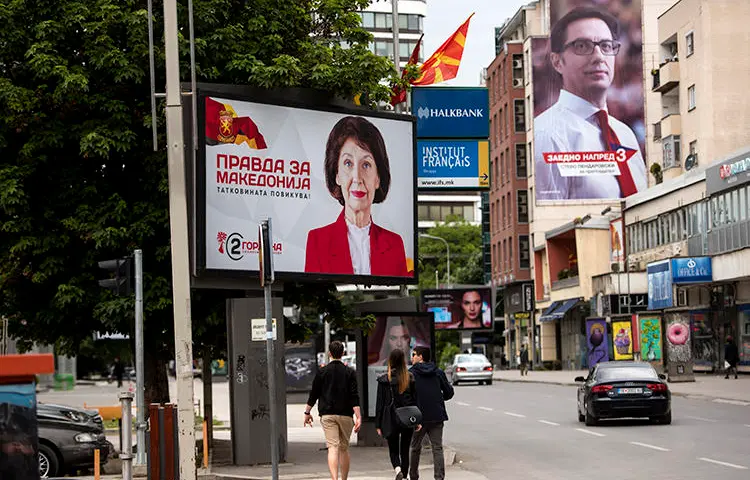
x=396, y=389
x=335, y=388
x=118, y=370
x=731, y=356
x=433, y=389
x=524, y=360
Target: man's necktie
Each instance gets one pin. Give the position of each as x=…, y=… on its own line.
x=612, y=143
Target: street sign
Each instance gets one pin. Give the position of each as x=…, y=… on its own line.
x=446, y=164
x=258, y=329
x=451, y=112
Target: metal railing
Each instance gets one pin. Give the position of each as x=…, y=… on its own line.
x=727, y=238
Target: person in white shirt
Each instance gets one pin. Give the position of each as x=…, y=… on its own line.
x=583, y=50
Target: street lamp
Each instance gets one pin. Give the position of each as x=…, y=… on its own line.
x=447, y=252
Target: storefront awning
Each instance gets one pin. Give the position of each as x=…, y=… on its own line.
x=550, y=315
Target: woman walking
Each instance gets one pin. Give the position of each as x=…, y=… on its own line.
x=396, y=389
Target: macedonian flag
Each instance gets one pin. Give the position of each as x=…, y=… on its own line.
x=224, y=126
x=443, y=64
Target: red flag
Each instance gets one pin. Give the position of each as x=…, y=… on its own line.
x=224, y=126
x=443, y=64
x=399, y=94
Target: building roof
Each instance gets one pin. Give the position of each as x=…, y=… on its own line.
x=596, y=222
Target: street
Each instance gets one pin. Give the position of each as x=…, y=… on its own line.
x=532, y=430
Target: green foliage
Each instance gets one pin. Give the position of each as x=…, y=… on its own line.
x=79, y=182
x=465, y=243
x=447, y=354
x=446, y=346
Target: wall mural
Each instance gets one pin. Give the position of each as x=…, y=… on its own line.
x=651, y=340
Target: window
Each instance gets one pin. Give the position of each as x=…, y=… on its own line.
x=506, y=121
x=383, y=48
x=496, y=177
x=507, y=163
x=521, y=161
x=505, y=253
x=501, y=127
x=502, y=222
x=689, y=45
x=524, y=256
x=670, y=152
x=510, y=210
x=502, y=168
x=691, y=97
x=510, y=254
x=523, y=206
x=368, y=19
x=519, y=116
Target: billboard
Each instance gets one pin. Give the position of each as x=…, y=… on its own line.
x=589, y=130
x=394, y=330
x=616, y=242
x=451, y=112
x=453, y=164
x=460, y=309
x=339, y=186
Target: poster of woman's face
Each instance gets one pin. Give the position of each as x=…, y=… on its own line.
x=394, y=331
x=460, y=309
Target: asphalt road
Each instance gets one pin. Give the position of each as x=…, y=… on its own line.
x=533, y=430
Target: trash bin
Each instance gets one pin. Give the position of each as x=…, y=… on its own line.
x=64, y=381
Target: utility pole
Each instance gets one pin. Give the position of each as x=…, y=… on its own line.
x=178, y=222
x=396, y=47
x=140, y=416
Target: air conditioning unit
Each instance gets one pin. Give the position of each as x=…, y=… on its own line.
x=518, y=63
x=682, y=297
x=517, y=82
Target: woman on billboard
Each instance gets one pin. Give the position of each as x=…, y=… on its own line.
x=357, y=175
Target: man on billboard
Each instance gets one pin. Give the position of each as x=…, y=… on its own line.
x=357, y=176
x=584, y=44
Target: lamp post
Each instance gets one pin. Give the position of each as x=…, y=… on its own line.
x=447, y=252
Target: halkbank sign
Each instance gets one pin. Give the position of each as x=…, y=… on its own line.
x=451, y=112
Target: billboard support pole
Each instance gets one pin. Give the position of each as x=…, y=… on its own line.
x=396, y=46
x=178, y=220
x=140, y=403
x=266, y=279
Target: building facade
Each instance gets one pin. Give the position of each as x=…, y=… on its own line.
x=378, y=20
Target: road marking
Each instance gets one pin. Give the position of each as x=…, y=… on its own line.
x=486, y=409
x=702, y=419
x=463, y=404
x=717, y=462
x=546, y=422
x=515, y=414
x=653, y=447
x=731, y=402
x=597, y=434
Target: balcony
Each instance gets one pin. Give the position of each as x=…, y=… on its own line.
x=565, y=283
x=667, y=78
x=670, y=125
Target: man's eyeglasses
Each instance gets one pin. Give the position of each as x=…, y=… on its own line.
x=583, y=46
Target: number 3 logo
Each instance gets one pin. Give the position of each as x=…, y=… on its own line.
x=620, y=155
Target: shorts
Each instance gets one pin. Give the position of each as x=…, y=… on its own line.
x=338, y=430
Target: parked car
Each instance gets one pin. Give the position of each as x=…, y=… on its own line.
x=471, y=367
x=624, y=390
x=68, y=437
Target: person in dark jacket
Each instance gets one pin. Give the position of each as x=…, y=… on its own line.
x=335, y=390
x=731, y=356
x=524, y=357
x=118, y=370
x=396, y=389
x=433, y=389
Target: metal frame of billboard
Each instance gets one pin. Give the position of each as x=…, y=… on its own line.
x=461, y=289
x=364, y=396
x=305, y=99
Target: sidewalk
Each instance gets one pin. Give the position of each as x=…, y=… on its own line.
x=706, y=386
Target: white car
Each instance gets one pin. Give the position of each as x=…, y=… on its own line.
x=471, y=367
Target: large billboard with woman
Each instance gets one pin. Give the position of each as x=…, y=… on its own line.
x=338, y=185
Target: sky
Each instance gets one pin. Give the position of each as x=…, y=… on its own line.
x=445, y=16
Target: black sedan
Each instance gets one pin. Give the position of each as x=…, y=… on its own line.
x=624, y=390
x=67, y=439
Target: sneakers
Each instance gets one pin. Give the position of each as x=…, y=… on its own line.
x=399, y=475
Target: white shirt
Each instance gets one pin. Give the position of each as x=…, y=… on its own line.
x=359, y=247
x=570, y=126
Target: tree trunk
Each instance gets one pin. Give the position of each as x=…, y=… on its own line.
x=157, y=386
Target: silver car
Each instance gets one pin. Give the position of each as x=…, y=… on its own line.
x=471, y=367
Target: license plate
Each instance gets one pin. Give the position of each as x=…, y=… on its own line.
x=627, y=391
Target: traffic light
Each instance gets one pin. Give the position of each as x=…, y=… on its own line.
x=119, y=270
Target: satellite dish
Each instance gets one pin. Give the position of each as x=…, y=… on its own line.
x=691, y=161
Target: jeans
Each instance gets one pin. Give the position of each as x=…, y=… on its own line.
x=435, y=432
x=398, y=448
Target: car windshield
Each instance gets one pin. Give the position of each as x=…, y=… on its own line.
x=472, y=359
x=626, y=373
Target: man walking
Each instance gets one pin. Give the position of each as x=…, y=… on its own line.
x=335, y=386
x=432, y=391
x=524, y=360
x=731, y=356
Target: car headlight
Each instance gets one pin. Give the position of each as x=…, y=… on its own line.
x=86, y=437
x=75, y=416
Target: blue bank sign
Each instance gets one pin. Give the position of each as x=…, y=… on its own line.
x=692, y=270
x=451, y=112
x=453, y=164
x=676, y=271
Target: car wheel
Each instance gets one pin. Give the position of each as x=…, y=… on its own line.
x=49, y=465
x=590, y=420
x=454, y=382
x=664, y=419
x=489, y=382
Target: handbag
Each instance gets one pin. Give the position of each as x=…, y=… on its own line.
x=406, y=417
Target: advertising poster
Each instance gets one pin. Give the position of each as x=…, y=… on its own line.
x=459, y=309
x=446, y=164
x=338, y=187
x=678, y=341
x=596, y=339
x=589, y=130
x=301, y=365
x=616, y=248
x=650, y=336
x=451, y=112
x=394, y=331
x=18, y=432
x=622, y=336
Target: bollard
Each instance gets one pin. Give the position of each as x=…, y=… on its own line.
x=126, y=455
x=205, y=444
x=96, y=464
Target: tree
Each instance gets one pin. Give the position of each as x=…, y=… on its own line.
x=79, y=181
x=465, y=243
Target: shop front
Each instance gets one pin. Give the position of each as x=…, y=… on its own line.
x=519, y=309
x=570, y=330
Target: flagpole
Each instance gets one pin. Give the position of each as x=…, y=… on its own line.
x=396, y=49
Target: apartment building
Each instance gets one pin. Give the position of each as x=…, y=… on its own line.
x=378, y=20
